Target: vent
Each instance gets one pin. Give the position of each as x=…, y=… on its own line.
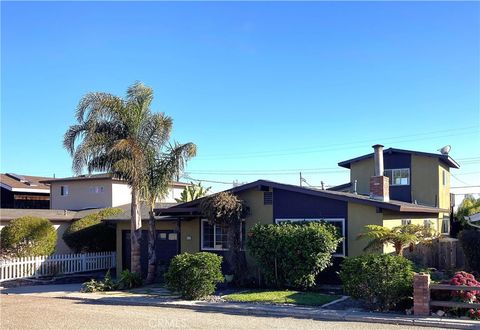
x=267, y=198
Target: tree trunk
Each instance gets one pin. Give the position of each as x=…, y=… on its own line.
x=152, y=257
x=235, y=256
x=136, y=233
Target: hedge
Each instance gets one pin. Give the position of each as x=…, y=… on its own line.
x=90, y=234
x=470, y=240
x=28, y=236
x=292, y=255
x=381, y=281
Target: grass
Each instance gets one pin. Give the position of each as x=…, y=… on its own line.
x=282, y=297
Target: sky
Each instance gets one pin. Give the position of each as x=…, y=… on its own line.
x=265, y=89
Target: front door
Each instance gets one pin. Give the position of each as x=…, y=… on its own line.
x=166, y=249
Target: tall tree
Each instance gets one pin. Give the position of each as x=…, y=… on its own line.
x=400, y=237
x=119, y=135
x=226, y=209
x=192, y=192
x=162, y=170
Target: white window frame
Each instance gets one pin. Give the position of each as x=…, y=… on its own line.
x=65, y=190
x=96, y=189
x=446, y=220
x=398, y=169
x=215, y=237
x=342, y=220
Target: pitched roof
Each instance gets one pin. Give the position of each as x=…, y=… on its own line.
x=191, y=208
x=100, y=176
x=24, y=183
x=54, y=215
x=443, y=158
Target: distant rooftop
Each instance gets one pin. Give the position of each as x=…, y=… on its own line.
x=443, y=158
x=24, y=183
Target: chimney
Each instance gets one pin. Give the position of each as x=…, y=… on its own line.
x=379, y=184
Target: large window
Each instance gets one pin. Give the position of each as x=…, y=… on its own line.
x=398, y=176
x=215, y=237
x=339, y=223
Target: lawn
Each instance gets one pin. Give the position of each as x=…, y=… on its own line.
x=282, y=297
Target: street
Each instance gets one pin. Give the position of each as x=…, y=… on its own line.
x=29, y=312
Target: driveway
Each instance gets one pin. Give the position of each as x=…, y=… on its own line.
x=38, y=312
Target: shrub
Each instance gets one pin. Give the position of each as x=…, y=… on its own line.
x=382, y=281
x=129, y=280
x=194, y=276
x=292, y=255
x=470, y=240
x=90, y=234
x=28, y=236
x=108, y=284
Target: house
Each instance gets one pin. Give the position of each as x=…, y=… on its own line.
x=184, y=227
x=24, y=192
x=97, y=191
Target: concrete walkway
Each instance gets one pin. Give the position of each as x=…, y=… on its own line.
x=162, y=298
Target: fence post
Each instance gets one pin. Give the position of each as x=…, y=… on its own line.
x=84, y=262
x=421, y=294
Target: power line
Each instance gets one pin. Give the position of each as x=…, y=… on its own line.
x=353, y=145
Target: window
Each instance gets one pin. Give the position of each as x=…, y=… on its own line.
x=96, y=189
x=63, y=190
x=398, y=176
x=214, y=237
x=446, y=225
x=406, y=222
x=267, y=198
x=444, y=178
x=427, y=223
x=339, y=223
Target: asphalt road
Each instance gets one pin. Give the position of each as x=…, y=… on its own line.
x=29, y=312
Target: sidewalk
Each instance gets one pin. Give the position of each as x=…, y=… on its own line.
x=162, y=298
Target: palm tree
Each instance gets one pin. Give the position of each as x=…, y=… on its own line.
x=161, y=171
x=400, y=237
x=192, y=192
x=119, y=136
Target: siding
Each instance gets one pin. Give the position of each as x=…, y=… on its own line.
x=79, y=195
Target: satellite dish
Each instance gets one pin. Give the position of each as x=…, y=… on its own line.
x=445, y=150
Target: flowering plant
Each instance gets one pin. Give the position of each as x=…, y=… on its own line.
x=466, y=279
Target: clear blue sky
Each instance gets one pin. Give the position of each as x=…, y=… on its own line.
x=264, y=89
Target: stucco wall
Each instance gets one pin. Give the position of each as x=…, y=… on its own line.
x=362, y=171
x=358, y=217
x=80, y=195
x=425, y=180
x=121, y=194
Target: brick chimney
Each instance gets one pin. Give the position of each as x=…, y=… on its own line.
x=379, y=184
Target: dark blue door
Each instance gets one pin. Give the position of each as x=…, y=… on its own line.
x=166, y=249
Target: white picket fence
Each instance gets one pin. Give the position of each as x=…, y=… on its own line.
x=56, y=264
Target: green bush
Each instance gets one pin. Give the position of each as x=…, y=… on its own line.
x=129, y=280
x=194, y=276
x=28, y=236
x=470, y=240
x=90, y=234
x=381, y=281
x=292, y=255
x=108, y=284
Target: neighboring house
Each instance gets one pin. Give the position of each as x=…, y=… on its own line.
x=474, y=220
x=24, y=192
x=60, y=219
x=184, y=227
x=459, y=194
x=97, y=191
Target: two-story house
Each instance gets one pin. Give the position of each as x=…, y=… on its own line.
x=97, y=191
x=24, y=192
x=389, y=188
